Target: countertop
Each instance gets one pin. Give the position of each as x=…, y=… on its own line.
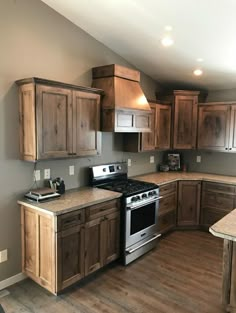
x=161, y=178
x=226, y=227
x=73, y=199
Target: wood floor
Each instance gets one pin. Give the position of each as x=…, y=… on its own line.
x=183, y=274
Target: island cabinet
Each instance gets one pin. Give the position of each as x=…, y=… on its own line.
x=189, y=196
x=217, y=126
x=160, y=136
x=58, y=120
x=167, y=207
x=185, y=119
x=217, y=201
x=58, y=251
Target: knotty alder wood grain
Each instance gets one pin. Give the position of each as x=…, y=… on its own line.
x=183, y=275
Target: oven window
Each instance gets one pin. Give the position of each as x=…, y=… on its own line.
x=143, y=217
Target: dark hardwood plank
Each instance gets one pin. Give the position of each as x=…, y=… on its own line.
x=183, y=275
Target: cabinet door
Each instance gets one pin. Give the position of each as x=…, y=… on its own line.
x=185, y=122
x=70, y=256
x=163, y=126
x=232, y=134
x=87, y=139
x=189, y=203
x=112, y=237
x=54, y=122
x=213, y=127
x=94, y=244
x=148, y=140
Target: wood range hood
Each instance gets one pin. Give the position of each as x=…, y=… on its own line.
x=124, y=105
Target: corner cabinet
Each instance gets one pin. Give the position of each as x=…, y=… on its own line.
x=217, y=126
x=58, y=120
x=58, y=251
x=160, y=136
x=185, y=119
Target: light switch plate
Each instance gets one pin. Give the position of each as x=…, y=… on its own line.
x=47, y=173
x=129, y=162
x=199, y=159
x=3, y=256
x=152, y=159
x=71, y=170
x=37, y=175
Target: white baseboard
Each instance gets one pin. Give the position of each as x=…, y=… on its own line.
x=11, y=280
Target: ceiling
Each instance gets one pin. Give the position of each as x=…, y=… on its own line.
x=134, y=29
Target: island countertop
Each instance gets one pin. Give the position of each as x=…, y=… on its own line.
x=73, y=200
x=161, y=178
x=226, y=227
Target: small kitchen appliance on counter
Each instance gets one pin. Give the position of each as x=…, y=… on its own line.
x=139, y=210
x=42, y=194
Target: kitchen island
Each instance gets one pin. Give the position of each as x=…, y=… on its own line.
x=226, y=229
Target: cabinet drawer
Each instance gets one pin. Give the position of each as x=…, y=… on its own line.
x=210, y=216
x=71, y=219
x=219, y=187
x=218, y=200
x=167, y=203
x=166, y=222
x=171, y=187
x=102, y=209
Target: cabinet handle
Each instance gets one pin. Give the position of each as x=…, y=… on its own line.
x=71, y=153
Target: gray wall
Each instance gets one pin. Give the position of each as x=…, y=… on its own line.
x=221, y=95
x=36, y=41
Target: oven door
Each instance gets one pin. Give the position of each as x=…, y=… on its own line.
x=141, y=221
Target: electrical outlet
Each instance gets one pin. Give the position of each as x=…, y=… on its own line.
x=3, y=256
x=199, y=159
x=71, y=170
x=152, y=159
x=37, y=175
x=129, y=162
x=47, y=173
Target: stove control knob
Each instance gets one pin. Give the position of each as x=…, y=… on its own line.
x=104, y=169
x=150, y=193
x=133, y=199
x=154, y=192
x=138, y=198
x=144, y=196
x=118, y=167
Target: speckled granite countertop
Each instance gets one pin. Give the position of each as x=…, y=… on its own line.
x=226, y=227
x=72, y=200
x=161, y=178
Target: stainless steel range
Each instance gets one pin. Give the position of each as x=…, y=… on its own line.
x=140, y=203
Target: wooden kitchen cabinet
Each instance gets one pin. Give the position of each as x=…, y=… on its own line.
x=189, y=203
x=58, y=251
x=185, y=119
x=58, y=120
x=217, y=201
x=217, y=127
x=160, y=136
x=167, y=207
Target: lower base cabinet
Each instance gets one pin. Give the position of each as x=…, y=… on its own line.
x=58, y=251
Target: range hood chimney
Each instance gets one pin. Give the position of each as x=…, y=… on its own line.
x=124, y=105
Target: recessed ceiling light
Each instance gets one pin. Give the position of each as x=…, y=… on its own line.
x=168, y=28
x=198, y=72
x=200, y=60
x=167, y=41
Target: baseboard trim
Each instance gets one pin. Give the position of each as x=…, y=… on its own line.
x=12, y=280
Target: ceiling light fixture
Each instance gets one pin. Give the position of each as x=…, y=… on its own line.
x=200, y=60
x=168, y=28
x=167, y=41
x=198, y=72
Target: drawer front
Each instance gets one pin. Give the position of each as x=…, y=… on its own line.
x=166, y=222
x=218, y=200
x=168, y=188
x=210, y=216
x=219, y=187
x=71, y=219
x=102, y=209
x=168, y=203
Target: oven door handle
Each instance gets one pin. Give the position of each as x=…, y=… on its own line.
x=136, y=206
x=143, y=244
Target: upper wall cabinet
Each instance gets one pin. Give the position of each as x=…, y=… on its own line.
x=185, y=119
x=159, y=137
x=58, y=120
x=217, y=126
